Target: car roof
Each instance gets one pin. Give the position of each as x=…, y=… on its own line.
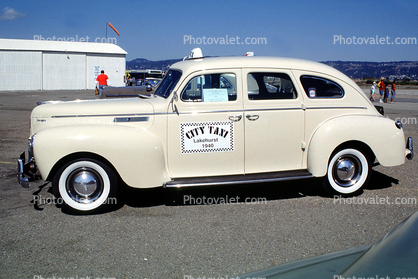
x=207, y=63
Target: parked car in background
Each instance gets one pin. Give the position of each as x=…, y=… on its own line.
x=221, y=121
x=139, y=77
x=152, y=81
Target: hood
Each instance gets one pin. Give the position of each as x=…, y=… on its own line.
x=93, y=108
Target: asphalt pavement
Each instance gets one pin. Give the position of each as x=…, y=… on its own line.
x=182, y=233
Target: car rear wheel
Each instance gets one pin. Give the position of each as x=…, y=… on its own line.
x=348, y=171
x=85, y=184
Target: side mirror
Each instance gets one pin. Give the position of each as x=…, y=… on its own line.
x=175, y=97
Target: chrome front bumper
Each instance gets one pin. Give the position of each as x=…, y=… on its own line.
x=26, y=171
x=410, y=149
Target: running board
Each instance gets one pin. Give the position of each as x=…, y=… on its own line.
x=238, y=179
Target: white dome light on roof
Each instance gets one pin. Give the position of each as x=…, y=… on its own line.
x=195, y=54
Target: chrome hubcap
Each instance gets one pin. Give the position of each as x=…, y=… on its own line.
x=84, y=185
x=347, y=171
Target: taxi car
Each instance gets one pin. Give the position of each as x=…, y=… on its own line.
x=220, y=120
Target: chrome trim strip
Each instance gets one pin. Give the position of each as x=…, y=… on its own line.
x=273, y=109
x=238, y=179
x=168, y=185
x=204, y=112
x=336, y=108
x=102, y=115
x=263, y=109
x=199, y=112
x=131, y=119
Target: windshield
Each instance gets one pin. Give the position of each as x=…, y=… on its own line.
x=168, y=83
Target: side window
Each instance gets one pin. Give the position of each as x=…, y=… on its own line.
x=316, y=87
x=265, y=86
x=211, y=88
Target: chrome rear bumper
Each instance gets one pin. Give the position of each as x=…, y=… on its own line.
x=409, y=146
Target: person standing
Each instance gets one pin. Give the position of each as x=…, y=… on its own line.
x=385, y=100
x=102, y=80
x=372, y=91
x=393, y=91
x=381, y=86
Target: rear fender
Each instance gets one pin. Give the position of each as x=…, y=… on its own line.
x=380, y=134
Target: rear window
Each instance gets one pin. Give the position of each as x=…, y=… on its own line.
x=318, y=87
x=268, y=86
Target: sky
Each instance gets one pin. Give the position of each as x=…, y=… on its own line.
x=379, y=31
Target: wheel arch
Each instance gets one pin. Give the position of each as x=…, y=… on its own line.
x=355, y=144
x=322, y=159
x=76, y=156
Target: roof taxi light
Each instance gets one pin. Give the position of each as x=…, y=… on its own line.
x=195, y=53
x=249, y=53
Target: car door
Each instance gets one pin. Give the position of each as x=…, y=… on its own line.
x=274, y=121
x=205, y=126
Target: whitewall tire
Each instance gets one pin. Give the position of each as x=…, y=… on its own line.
x=85, y=184
x=348, y=171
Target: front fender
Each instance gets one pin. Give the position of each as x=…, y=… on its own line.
x=135, y=153
x=380, y=134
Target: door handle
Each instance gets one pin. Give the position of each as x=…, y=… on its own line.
x=235, y=118
x=252, y=117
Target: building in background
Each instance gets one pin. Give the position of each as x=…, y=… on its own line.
x=55, y=65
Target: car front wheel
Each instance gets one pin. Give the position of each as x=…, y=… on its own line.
x=85, y=184
x=348, y=171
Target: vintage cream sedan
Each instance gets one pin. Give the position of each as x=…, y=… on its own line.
x=213, y=121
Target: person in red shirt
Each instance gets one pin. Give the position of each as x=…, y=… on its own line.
x=381, y=86
x=393, y=91
x=102, y=80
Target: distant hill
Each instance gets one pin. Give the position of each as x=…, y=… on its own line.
x=142, y=64
x=363, y=70
x=353, y=69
